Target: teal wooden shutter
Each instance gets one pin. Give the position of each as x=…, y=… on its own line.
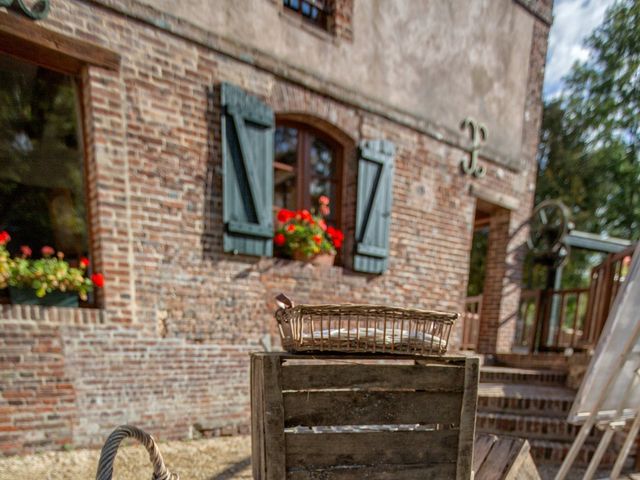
x=373, y=209
x=247, y=163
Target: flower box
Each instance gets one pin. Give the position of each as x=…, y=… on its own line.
x=27, y=296
x=49, y=280
x=321, y=259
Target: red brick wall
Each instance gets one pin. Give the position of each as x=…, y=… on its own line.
x=169, y=347
x=69, y=377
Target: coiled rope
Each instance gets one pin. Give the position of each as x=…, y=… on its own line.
x=110, y=448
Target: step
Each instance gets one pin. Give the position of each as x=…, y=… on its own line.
x=546, y=361
x=539, y=400
x=493, y=374
x=531, y=427
x=549, y=452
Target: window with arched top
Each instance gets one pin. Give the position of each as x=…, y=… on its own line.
x=307, y=165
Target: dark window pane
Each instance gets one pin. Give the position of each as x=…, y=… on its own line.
x=41, y=165
x=284, y=190
x=314, y=11
x=285, y=168
x=286, y=145
x=322, y=159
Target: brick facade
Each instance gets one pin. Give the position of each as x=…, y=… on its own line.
x=168, y=349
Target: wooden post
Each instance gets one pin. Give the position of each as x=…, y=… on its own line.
x=468, y=418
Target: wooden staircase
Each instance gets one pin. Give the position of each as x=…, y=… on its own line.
x=532, y=404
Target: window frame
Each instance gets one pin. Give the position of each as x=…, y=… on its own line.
x=61, y=65
x=303, y=166
x=325, y=16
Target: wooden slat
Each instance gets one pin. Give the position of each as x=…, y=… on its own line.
x=35, y=43
x=481, y=448
x=371, y=408
x=315, y=450
x=418, y=377
x=258, y=463
x=522, y=466
x=273, y=418
x=528, y=470
x=468, y=419
x=384, y=358
x=379, y=472
x=501, y=458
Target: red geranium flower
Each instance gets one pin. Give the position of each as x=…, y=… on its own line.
x=317, y=239
x=25, y=250
x=279, y=239
x=4, y=237
x=47, y=251
x=98, y=280
x=84, y=261
x=336, y=235
x=306, y=215
x=285, y=215
x=291, y=228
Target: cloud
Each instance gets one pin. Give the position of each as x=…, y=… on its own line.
x=573, y=22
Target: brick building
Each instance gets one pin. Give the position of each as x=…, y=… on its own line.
x=169, y=98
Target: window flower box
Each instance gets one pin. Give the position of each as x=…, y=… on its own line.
x=47, y=281
x=27, y=296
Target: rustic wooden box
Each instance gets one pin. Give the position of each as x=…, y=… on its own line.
x=362, y=417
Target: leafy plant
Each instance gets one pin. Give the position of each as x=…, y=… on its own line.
x=301, y=233
x=5, y=260
x=47, y=274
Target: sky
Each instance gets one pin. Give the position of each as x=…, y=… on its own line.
x=573, y=21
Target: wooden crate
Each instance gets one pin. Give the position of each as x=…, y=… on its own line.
x=308, y=414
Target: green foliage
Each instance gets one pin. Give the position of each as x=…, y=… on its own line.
x=49, y=274
x=589, y=153
x=5, y=267
x=45, y=275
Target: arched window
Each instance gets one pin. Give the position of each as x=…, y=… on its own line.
x=307, y=164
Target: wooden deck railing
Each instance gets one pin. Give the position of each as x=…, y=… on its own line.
x=571, y=318
x=552, y=319
x=606, y=279
x=471, y=323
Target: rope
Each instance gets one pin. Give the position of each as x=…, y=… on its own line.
x=110, y=448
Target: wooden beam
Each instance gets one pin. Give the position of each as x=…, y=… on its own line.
x=32, y=42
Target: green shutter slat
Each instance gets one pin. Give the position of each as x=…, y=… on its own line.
x=373, y=208
x=247, y=164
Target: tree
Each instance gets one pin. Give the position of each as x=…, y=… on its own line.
x=589, y=154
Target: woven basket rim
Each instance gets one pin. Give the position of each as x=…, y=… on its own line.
x=355, y=307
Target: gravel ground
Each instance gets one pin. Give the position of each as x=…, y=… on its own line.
x=223, y=458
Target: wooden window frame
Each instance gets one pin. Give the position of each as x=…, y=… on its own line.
x=30, y=42
x=303, y=165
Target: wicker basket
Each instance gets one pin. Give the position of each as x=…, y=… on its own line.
x=363, y=328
